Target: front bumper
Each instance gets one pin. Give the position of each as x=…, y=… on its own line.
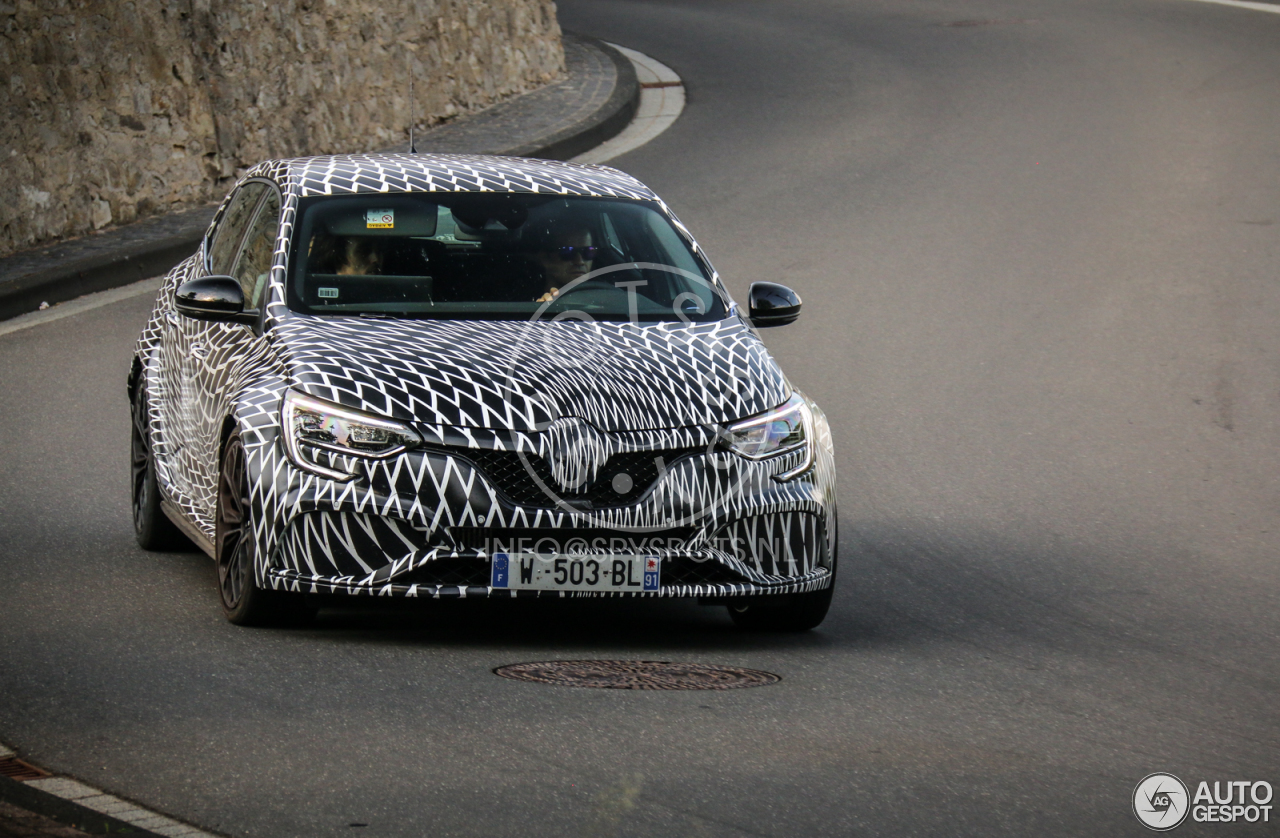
x=290, y=581
x=349, y=553
x=424, y=524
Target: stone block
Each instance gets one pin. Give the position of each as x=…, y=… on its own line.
x=117, y=110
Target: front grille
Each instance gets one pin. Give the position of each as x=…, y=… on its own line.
x=686, y=571
x=448, y=571
x=508, y=473
x=569, y=540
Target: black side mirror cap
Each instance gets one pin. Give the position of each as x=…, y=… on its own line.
x=217, y=299
x=773, y=305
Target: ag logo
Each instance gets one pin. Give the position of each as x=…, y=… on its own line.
x=1161, y=801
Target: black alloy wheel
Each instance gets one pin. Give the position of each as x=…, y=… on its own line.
x=151, y=526
x=235, y=548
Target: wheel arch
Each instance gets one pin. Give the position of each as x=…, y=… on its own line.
x=229, y=426
x=135, y=378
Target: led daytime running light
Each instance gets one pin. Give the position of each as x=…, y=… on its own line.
x=780, y=431
x=309, y=422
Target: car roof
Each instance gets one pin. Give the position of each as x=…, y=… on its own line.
x=350, y=174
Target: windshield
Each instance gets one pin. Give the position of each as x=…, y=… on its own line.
x=496, y=256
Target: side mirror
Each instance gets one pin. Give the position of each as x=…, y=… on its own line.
x=216, y=299
x=773, y=305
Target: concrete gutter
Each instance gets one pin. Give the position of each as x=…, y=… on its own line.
x=594, y=102
x=141, y=823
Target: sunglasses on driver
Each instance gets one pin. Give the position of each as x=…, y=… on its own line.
x=587, y=253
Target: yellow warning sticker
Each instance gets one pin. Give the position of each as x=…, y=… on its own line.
x=383, y=219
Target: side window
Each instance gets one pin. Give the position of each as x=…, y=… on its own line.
x=254, y=264
x=226, y=239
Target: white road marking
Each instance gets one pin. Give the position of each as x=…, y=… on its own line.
x=1244, y=4
x=661, y=101
x=123, y=810
x=99, y=801
x=80, y=305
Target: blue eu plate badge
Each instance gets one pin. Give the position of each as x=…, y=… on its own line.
x=501, y=571
x=651, y=573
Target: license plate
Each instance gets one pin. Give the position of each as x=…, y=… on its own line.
x=535, y=572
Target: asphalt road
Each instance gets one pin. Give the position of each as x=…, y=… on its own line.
x=1039, y=258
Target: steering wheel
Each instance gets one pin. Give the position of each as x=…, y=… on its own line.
x=591, y=285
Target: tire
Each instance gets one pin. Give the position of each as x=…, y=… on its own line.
x=151, y=526
x=243, y=602
x=797, y=612
x=800, y=613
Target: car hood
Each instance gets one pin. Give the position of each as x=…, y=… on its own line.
x=521, y=376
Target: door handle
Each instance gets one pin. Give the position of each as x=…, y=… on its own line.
x=172, y=317
x=197, y=349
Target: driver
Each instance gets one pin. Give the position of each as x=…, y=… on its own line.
x=566, y=254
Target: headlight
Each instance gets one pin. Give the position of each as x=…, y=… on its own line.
x=310, y=423
x=782, y=430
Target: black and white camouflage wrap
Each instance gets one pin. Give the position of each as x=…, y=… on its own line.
x=571, y=394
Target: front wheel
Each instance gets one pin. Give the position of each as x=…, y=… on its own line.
x=151, y=526
x=235, y=547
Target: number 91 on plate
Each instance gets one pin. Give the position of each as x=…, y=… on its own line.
x=539, y=572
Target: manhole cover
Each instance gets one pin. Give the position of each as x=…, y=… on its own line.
x=638, y=675
x=987, y=22
x=16, y=769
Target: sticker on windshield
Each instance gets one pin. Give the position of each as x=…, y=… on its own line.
x=380, y=219
x=327, y=293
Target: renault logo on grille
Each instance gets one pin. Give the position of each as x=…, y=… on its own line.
x=576, y=452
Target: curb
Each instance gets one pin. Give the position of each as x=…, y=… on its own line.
x=100, y=271
x=67, y=812
x=602, y=125
x=146, y=254
x=662, y=101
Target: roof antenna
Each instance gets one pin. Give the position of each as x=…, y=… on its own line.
x=413, y=148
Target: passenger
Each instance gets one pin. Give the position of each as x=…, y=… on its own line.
x=349, y=256
x=362, y=257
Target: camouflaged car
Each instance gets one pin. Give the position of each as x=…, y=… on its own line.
x=446, y=376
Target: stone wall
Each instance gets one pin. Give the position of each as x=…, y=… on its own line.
x=114, y=110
